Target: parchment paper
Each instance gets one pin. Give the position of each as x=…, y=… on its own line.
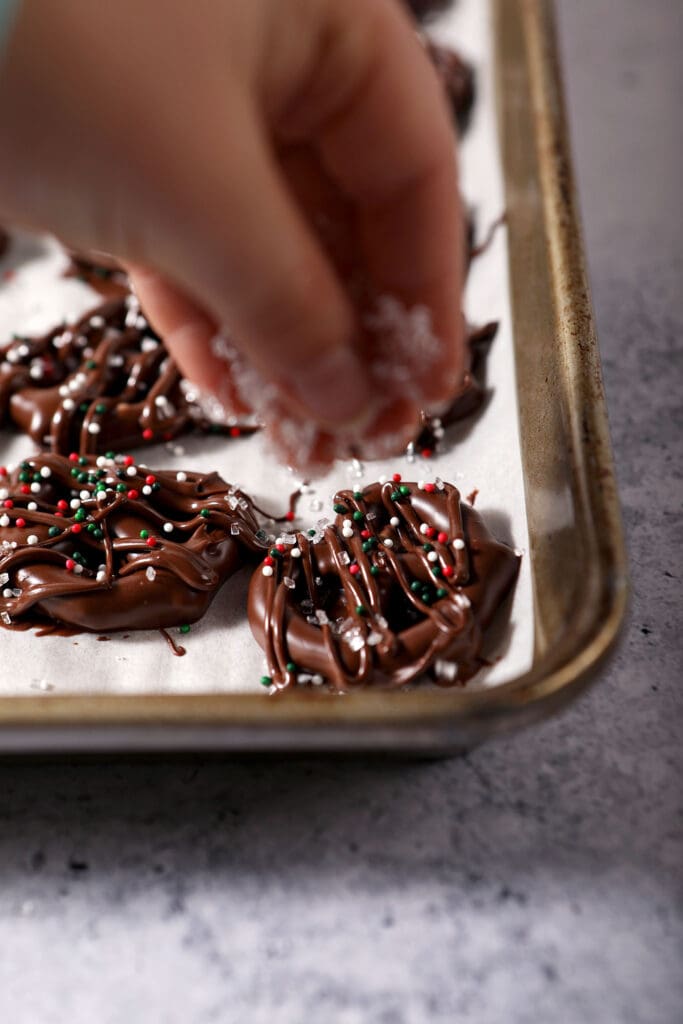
x=481, y=453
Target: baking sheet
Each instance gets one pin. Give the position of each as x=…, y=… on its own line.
x=482, y=453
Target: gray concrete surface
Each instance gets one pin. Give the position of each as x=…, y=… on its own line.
x=538, y=879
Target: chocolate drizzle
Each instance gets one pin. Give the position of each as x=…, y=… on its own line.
x=406, y=581
x=104, y=544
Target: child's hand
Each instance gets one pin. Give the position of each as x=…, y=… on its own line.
x=274, y=166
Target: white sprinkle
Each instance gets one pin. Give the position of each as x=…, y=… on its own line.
x=150, y=573
x=132, y=471
x=347, y=534
x=388, y=542
x=423, y=528
x=458, y=544
x=4, y=520
x=347, y=524
x=68, y=404
x=149, y=344
x=94, y=428
x=85, y=495
x=374, y=639
x=168, y=527
x=146, y=489
x=78, y=568
x=295, y=552
x=181, y=477
x=267, y=570
x=382, y=479
x=446, y=670
x=394, y=521
x=101, y=576
x=97, y=321
x=317, y=680
x=7, y=593
x=432, y=556
x=45, y=472
x=101, y=495
x=32, y=507
x=32, y=538
x=421, y=485
x=75, y=503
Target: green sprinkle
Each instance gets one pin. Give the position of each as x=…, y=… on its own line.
x=405, y=490
x=144, y=534
x=374, y=570
x=121, y=488
x=100, y=408
x=358, y=495
x=266, y=680
x=339, y=508
x=156, y=486
x=97, y=534
x=427, y=547
x=90, y=527
x=80, y=515
x=290, y=666
x=54, y=531
x=361, y=609
x=415, y=586
x=24, y=477
x=367, y=546
x=442, y=592
x=358, y=516
x=205, y=513
x=436, y=570
x=185, y=629
x=110, y=455
x=311, y=533
x=91, y=364
x=395, y=495
x=74, y=472
x=274, y=553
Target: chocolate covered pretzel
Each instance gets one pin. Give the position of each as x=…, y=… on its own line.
x=405, y=581
x=105, y=544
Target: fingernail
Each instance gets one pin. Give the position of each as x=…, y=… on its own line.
x=334, y=388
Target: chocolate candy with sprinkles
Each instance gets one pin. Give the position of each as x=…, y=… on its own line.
x=405, y=582
x=102, y=544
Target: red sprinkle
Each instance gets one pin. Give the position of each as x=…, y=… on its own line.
x=151, y=479
x=8, y=503
x=70, y=565
x=133, y=494
x=268, y=560
x=147, y=434
x=448, y=570
x=76, y=528
x=151, y=542
x=430, y=532
x=20, y=522
x=60, y=514
x=25, y=489
x=235, y=432
x=128, y=460
x=289, y=516
x=62, y=505
x=427, y=453
x=354, y=569
x=280, y=547
x=442, y=538
x=396, y=478
x=430, y=488
x=3, y=470
x=73, y=457
x=365, y=534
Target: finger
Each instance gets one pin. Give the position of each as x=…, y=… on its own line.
x=386, y=138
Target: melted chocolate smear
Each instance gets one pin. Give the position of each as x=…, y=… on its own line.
x=177, y=648
x=479, y=250
x=472, y=496
x=287, y=516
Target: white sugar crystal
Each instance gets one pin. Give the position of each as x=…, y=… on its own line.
x=446, y=670
x=374, y=639
x=7, y=593
x=344, y=557
x=234, y=529
x=289, y=582
x=321, y=616
x=6, y=618
x=356, y=643
x=4, y=578
x=97, y=322
x=150, y=573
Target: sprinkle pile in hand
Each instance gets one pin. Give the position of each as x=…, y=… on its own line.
x=406, y=581
x=104, y=544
